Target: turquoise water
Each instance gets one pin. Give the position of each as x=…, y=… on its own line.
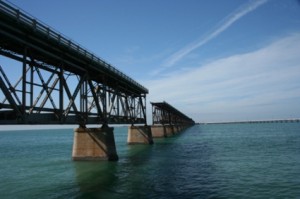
x=205, y=161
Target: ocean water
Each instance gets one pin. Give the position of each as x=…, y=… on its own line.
x=204, y=161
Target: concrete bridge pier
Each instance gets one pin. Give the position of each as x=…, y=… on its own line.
x=94, y=144
x=139, y=135
x=182, y=128
x=176, y=129
x=179, y=128
x=169, y=130
x=158, y=131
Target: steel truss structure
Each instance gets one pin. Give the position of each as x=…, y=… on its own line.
x=163, y=113
x=59, y=81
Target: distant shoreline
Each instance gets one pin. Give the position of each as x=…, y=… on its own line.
x=255, y=121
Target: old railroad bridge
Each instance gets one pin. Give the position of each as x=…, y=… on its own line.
x=56, y=81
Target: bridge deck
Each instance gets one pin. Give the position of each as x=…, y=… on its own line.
x=60, y=82
x=168, y=112
x=50, y=47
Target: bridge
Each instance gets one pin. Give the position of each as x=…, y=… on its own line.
x=50, y=79
x=53, y=67
x=164, y=113
x=167, y=120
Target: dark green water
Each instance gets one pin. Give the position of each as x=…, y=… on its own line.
x=205, y=161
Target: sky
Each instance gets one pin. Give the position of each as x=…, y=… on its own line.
x=213, y=60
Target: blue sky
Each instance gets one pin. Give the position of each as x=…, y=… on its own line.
x=213, y=60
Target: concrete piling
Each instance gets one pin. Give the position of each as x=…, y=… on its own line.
x=139, y=135
x=94, y=144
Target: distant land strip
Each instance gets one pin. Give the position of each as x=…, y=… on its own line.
x=256, y=121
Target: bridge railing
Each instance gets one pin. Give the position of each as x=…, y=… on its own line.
x=62, y=40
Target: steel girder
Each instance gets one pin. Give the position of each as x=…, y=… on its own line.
x=17, y=29
x=59, y=82
x=163, y=113
x=48, y=94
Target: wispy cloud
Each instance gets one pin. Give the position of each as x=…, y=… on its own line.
x=225, y=24
x=262, y=84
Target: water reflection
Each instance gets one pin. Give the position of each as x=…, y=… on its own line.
x=171, y=168
x=103, y=179
x=95, y=179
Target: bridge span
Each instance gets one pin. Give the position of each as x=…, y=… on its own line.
x=54, y=80
x=88, y=90
x=167, y=120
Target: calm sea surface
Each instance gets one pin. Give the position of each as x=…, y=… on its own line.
x=204, y=161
